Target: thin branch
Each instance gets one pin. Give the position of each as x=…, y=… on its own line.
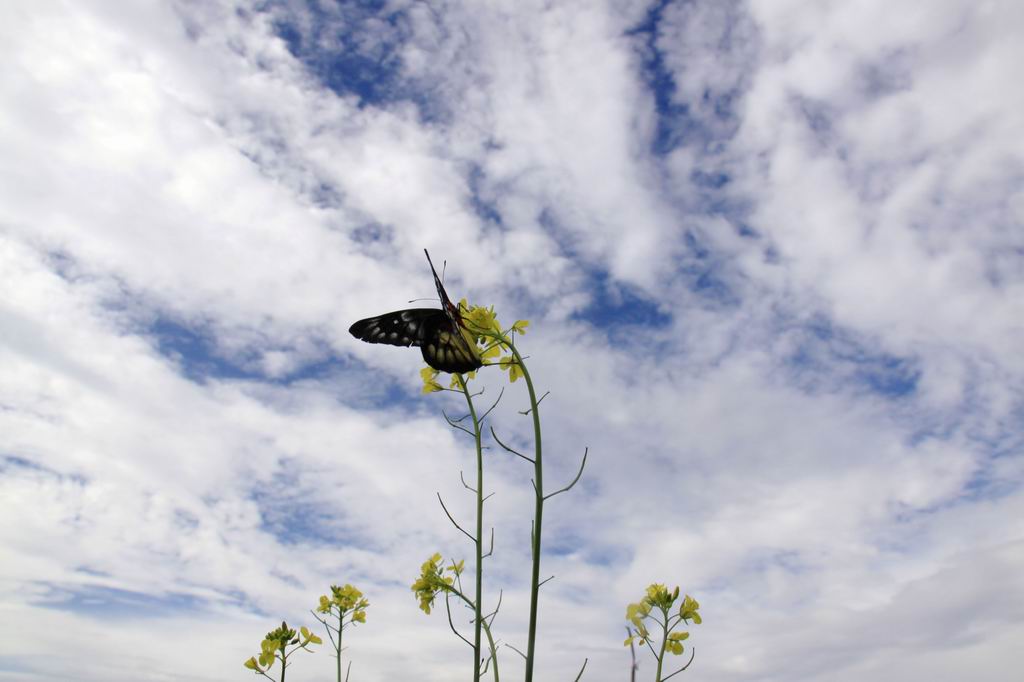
x=528, y=459
x=516, y=650
x=529, y=410
x=578, y=474
x=454, y=423
x=581, y=670
x=490, y=346
x=348, y=671
x=458, y=580
x=487, y=497
x=448, y=608
x=632, y=653
x=464, y=484
x=693, y=652
x=494, y=613
x=471, y=538
x=327, y=625
x=491, y=550
x=457, y=421
x=664, y=624
x=550, y=577
x=489, y=409
x=461, y=428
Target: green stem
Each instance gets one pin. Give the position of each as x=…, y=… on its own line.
x=494, y=651
x=664, y=642
x=341, y=614
x=284, y=664
x=538, y=515
x=477, y=608
x=486, y=628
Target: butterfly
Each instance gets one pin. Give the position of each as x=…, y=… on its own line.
x=438, y=333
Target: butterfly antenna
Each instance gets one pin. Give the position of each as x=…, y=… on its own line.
x=444, y=265
x=432, y=264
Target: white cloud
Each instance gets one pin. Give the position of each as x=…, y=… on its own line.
x=175, y=164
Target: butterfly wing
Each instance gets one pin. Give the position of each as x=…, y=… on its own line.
x=411, y=327
x=454, y=349
x=449, y=351
x=442, y=345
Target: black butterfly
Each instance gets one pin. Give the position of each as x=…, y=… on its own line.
x=438, y=333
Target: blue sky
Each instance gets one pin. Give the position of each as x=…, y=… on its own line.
x=773, y=258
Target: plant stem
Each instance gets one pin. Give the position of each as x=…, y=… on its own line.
x=538, y=515
x=664, y=642
x=477, y=607
x=341, y=615
x=494, y=651
x=487, y=631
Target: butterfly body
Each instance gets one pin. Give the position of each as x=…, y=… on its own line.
x=438, y=333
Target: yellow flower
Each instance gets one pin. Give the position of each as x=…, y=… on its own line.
x=430, y=582
x=309, y=637
x=429, y=376
x=491, y=352
x=688, y=609
x=482, y=320
x=509, y=364
x=675, y=642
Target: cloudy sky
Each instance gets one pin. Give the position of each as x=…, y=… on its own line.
x=773, y=256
